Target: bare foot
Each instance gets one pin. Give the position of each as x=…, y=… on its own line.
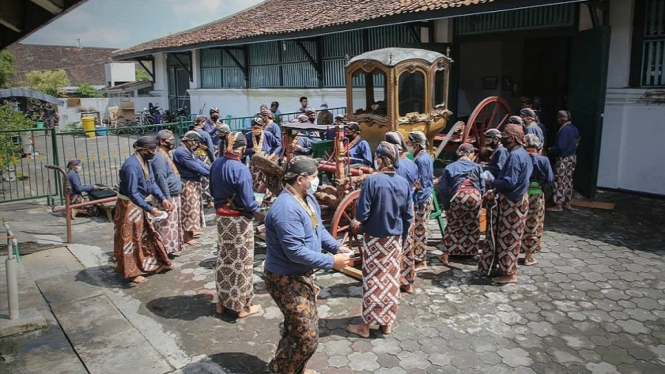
x=197, y=233
x=248, y=311
x=164, y=268
x=192, y=242
x=567, y=206
x=361, y=330
x=139, y=279
x=556, y=208
x=386, y=329
x=219, y=308
x=503, y=279
x=210, y=204
x=420, y=266
x=309, y=371
x=444, y=258
x=530, y=261
x=408, y=289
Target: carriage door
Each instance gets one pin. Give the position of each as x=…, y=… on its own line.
x=586, y=101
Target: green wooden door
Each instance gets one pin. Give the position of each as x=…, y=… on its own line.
x=586, y=101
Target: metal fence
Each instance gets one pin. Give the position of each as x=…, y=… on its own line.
x=101, y=152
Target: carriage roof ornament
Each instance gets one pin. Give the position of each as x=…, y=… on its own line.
x=347, y=58
x=448, y=52
x=390, y=58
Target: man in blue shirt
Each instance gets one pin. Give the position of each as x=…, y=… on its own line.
x=231, y=187
x=531, y=124
x=277, y=114
x=269, y=124
x=340, y=120
x=168, y=180
x=191, y=170
x=295, y=237
x=77, y=188
x=137, y=247
x=564, y=148
x=384, y=212
x=508, y=213
x=206, y=153
x=422, y=196
x=499, y=153
x=359, y=149
x=211, y=126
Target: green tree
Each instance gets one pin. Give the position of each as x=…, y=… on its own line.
x=142, y=75
x=86, y=90
x=48, y=81
x=7, y=70
x=10, y=143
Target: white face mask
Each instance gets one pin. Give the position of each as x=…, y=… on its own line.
x=410, y=148
x=314, y=185
x=376, y=164
x=78, y=168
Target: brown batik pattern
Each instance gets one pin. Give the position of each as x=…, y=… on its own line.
x=170, y=228
x=381, y=279
x=421, y=218
x=235, y=262
x=137, y=247
x=295, y=295
x=463, y=223
x=409, y=259
x=504, y=238
x=533, y=227
x=205, y=181
x=190, y=202
x=563, y=179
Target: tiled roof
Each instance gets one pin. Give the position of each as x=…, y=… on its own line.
x=83, y=65
x=290, y=16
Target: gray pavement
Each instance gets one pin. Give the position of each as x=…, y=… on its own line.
x=595, y=304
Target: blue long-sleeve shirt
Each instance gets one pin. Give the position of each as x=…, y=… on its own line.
x=565, y=142
x=361, y=153
x=543, y=128
x=211, y=129
x=425, y=179
x=384, y=207
x=408, y=170
x=274, y=129
x=231, y=178
x=135, y=186
x=497, y=161
x=542, y=170
x=270, y=144
x=454, y=175
x=207, y=141
x=293, y=244
x=305, y=143
x=536, y=130
x=514, y=178
x=167, y=180
x=75, y=183
x=189, y=166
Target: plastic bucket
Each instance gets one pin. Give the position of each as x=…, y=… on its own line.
x=88, y=126
x=101, y=131
x=40, y=125
x=483, y=220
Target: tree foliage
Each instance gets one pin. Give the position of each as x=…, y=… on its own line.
x=142, y=75
x=86, y=90
x=7, y=69
x=10, y=145
x=48, y=81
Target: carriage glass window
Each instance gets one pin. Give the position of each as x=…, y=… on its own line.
x=369, y=93
x=439, y=88
x=411, y=92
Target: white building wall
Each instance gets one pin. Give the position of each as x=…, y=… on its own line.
x=120, y=72
x=631, y=149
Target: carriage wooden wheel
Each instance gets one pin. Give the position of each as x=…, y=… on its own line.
x=340, y=229
x=493, y=112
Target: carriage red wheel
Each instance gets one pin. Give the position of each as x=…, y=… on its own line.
x=340, y=227
x=493, y=112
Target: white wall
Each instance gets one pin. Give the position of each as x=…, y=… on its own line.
x=120, y=72
x=73, y=114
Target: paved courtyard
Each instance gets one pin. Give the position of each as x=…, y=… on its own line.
x=595, y=304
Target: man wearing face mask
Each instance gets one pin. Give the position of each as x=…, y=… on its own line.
x=235, y=205
x=499, y=153
x=340, y=120
x=269, y=124
x=191, y=170
x=77, y=189
x=137, y=247
x=167, y=179
x=212, y=124
x=422, y=200
x=265, y=144
x=359, y=149
x=507, y=217
x=205, y=153
x=223, y=132
x=384, y=211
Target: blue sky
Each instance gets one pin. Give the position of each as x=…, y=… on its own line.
x=124, y=23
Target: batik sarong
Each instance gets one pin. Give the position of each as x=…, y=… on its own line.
x=408, y=258
x=463, y=223
x=295, y=295
x=170, y=228
x=258, y=179
x=381, y=279
x=235, y=262
x=533, y=228
x=504, y=236
x=137, y=247
x=421, y=218
x=205, y=181
x=190, y=202
x=563, y=179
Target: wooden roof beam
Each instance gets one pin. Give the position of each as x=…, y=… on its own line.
x=10, y=15
x=48, y=5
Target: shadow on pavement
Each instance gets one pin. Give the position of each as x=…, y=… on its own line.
x=103, y=276
x=236, y=362
x=186, y=308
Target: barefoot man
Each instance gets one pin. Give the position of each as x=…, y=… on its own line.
x=191, y=169
x=509, y=204
x=231, y=188
x=384, y=211
x=137, y=247
x=541, y=176
x=295, y=237
x=565, y=148
x=422, y=197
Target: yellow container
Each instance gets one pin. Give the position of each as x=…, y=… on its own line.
x=483, y=220
x=89, y=126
